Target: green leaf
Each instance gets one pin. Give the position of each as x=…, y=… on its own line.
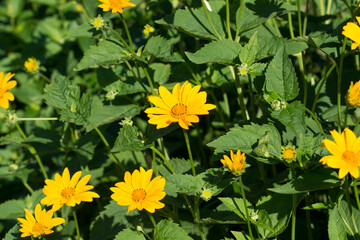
x=161, y=48
x=161, y=72
x=247, y=54
x=13, y=234
x=237, y=206
x=336, y=228
x=170, y=231
x=153, y=134
x=129, y=234
x=257, y=69
x=313, y=180
x=51, y=27
x=316, y=206
x=195, y=23
x=184, y=183
x=52, y=3
x=240, y=235
x=292, y=117
x=107, y=51
x=12, y=209
x=222, y=51
x=84, y=30
x=351, y=220
x=281, y=77
x=128, y=140
x=179, y=165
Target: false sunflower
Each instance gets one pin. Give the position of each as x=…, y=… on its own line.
x=39, y=225
x=345, y=153
x=5, y=85
x=182, y=106
x=352, y=31
x=353, y=95
x=31, y=65
x=115, y=5
x=139, y=191
x=64, y=190
x=236, y=163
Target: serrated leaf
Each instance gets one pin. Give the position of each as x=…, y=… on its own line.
x=281, y=77
x=195, y=23
x=161, y=72
x=107, y=51
x=313, y=180
x=161, y=48
x=12, y=209
x=257, y=69
x=237, y=206
x=170, y=231
x=183, y=183
x=179, y=165
x=222, y=51
x=336, y=228
x=350, y=218
x=292, y=117
x=248, y=52
x=84, y=30
x=128, y=140
x=129, y=234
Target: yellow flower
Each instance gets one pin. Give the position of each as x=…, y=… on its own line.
x=31, y=65
x=67, y=191
x=206, y=194
x=79, y=8
x=39, y=225
x=115, y=5
x=137, y=191
x=236, y=163
x=288, y=153
x=345, y=153
x=147, y=30
x=6, y=85
x=98, y=22
x=352, y=31
x=182, y=106
x=353, y=94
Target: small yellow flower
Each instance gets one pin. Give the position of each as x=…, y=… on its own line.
x=288, y=153
x=243, y=69
x=352, y=31
x=137, y=191
x=5, y=85
x=236, y=163
x=182, y=106
x=31, y=65
x=147, y=30
x=345, y=153
x=39, y=225
x=79, y=8
x=98, y=22
x=115, y=5
x=64, y=190
x=353, y=95
x=206, y=194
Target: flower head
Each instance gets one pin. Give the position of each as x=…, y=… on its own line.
x=243, y=69
x=353, y=94
x=98, y=22
x=352, y=31
x=345, y=153
x=206, y=194
x=79, y=7
x=288, y=153
x=64, y=190
x=236, y=163
x=115, y=5
x=182, y=106
x=147, y=30
x=137, y=191
x=31, y=65
x=39, y=225
x=5, y=85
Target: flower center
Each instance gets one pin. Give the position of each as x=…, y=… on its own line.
x=138, y=195
x=39, y=228
x=68, y=192
x=178, y=110
x=349, y=157
x=206, y=193
x=289, y=154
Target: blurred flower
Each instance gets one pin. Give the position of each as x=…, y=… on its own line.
x=206, y=194
x=353, y=94
x=64, y=190
x=79, y=7
x=345, y=153
x=31, y=65
x=126, y=121
x=288, y=153
x=110, y=95
x=115, y=5
x=6, y=85
x=39, y=225
x=182, y=106
x=137, y=191
x=236, y=163
x=147, y=30
x=98, y=22
x=352, y=31
x=243, y=69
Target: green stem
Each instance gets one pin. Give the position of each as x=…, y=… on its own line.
x=303, y=76
x=33, y=151
x=154, y=224
x=240, y=94
x=347, y=195
x=228, y=19
x=103, y=139
x=276, y=27
x=189, y=151
x=322, y=8
x=127, y=32
x=76, y=225
x=120, y=38
x=153, y=162
x=38, y=119
x=299, y=18
x=357, y=124
x=321, y=85
x=251, y=97
x=163, y=158
x=85, y=12
x=294, y=203
x=246, y=208
x=315, y=119
x=290, y=23
x=149, y=80
x=346, y=113
x=28, y=187
x=308, y=219
x=237, y=36
x=306, y=17
x=210, y=21
x=339, y=83
x=44, y=77
x=356, y=193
